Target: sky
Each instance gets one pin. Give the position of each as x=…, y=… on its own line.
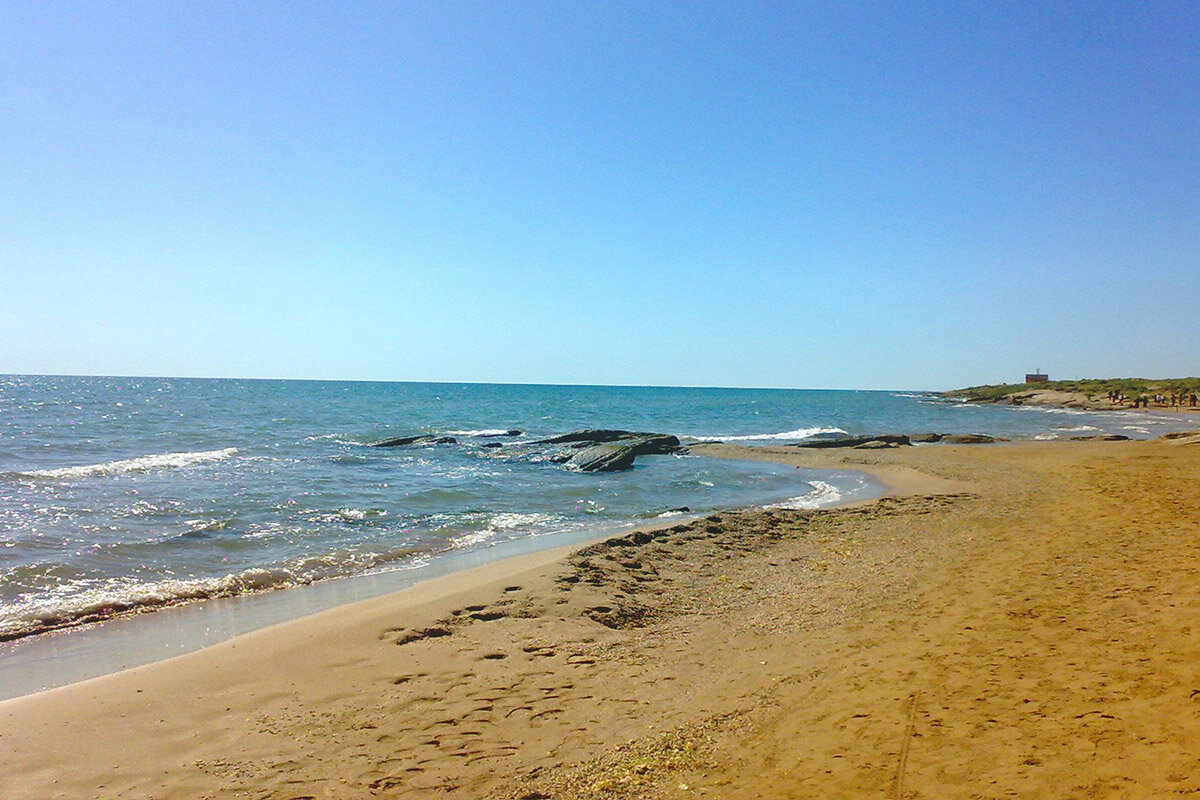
x=878, y=195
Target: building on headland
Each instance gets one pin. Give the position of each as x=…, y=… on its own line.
x=1036, y=377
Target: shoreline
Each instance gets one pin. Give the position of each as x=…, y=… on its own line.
x=142, y=636
x=702, y=653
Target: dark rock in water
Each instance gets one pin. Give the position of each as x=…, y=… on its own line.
x=513, y=432
x=926, y=438
x=492, y=445
x=1102, y=437
x=592, y=435
x=649, y=444
x=400, y=442
x=407, y=440
x=603, y=458
x=855, y=441
x=680, y=510
x=971, y=438
x=606, y=449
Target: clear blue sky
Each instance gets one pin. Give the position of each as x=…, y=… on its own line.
x=874, y=195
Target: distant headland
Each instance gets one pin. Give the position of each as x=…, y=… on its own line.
x=1169, y=394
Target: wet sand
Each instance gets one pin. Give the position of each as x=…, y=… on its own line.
x=1013, y=621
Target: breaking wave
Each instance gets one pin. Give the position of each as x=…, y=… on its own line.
x=823, y=494
x=125, y=466
x=796, y=435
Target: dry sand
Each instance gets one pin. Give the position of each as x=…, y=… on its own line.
x=1014, y=621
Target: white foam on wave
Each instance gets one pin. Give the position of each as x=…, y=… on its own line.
x=124, y=466
x=503, y=521
x=71, y=606
x=338, y=438
x=482, y=432
x=512, y=519
x=1078, y=428
x=796, y=435
x=823, y=494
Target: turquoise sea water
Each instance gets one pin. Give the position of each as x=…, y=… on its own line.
x=120, y=493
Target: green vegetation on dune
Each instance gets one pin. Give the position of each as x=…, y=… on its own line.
x=1091, y=387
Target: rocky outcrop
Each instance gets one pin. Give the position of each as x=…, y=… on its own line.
x=592, y=450
x=886, y=439
x=602, y=458
x=955, y=438
x=1101, y=437
x=590, y=436
x=970, y=438
x=876, y=444
x=408, y=440
x=607, y=450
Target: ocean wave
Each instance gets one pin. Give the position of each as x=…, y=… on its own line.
x=1078, y=428
x=799, y=433
x=472, y=539
x=125, y=466
x=512, y=519
x=82, y=602
x=338, y=438
x=346, y=515
x=822, y=495
x=482, y=432
x=69, y=607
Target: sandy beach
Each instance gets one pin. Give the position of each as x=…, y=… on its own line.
x=1010, y=621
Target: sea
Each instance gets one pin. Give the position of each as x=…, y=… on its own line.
x=122, y=495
